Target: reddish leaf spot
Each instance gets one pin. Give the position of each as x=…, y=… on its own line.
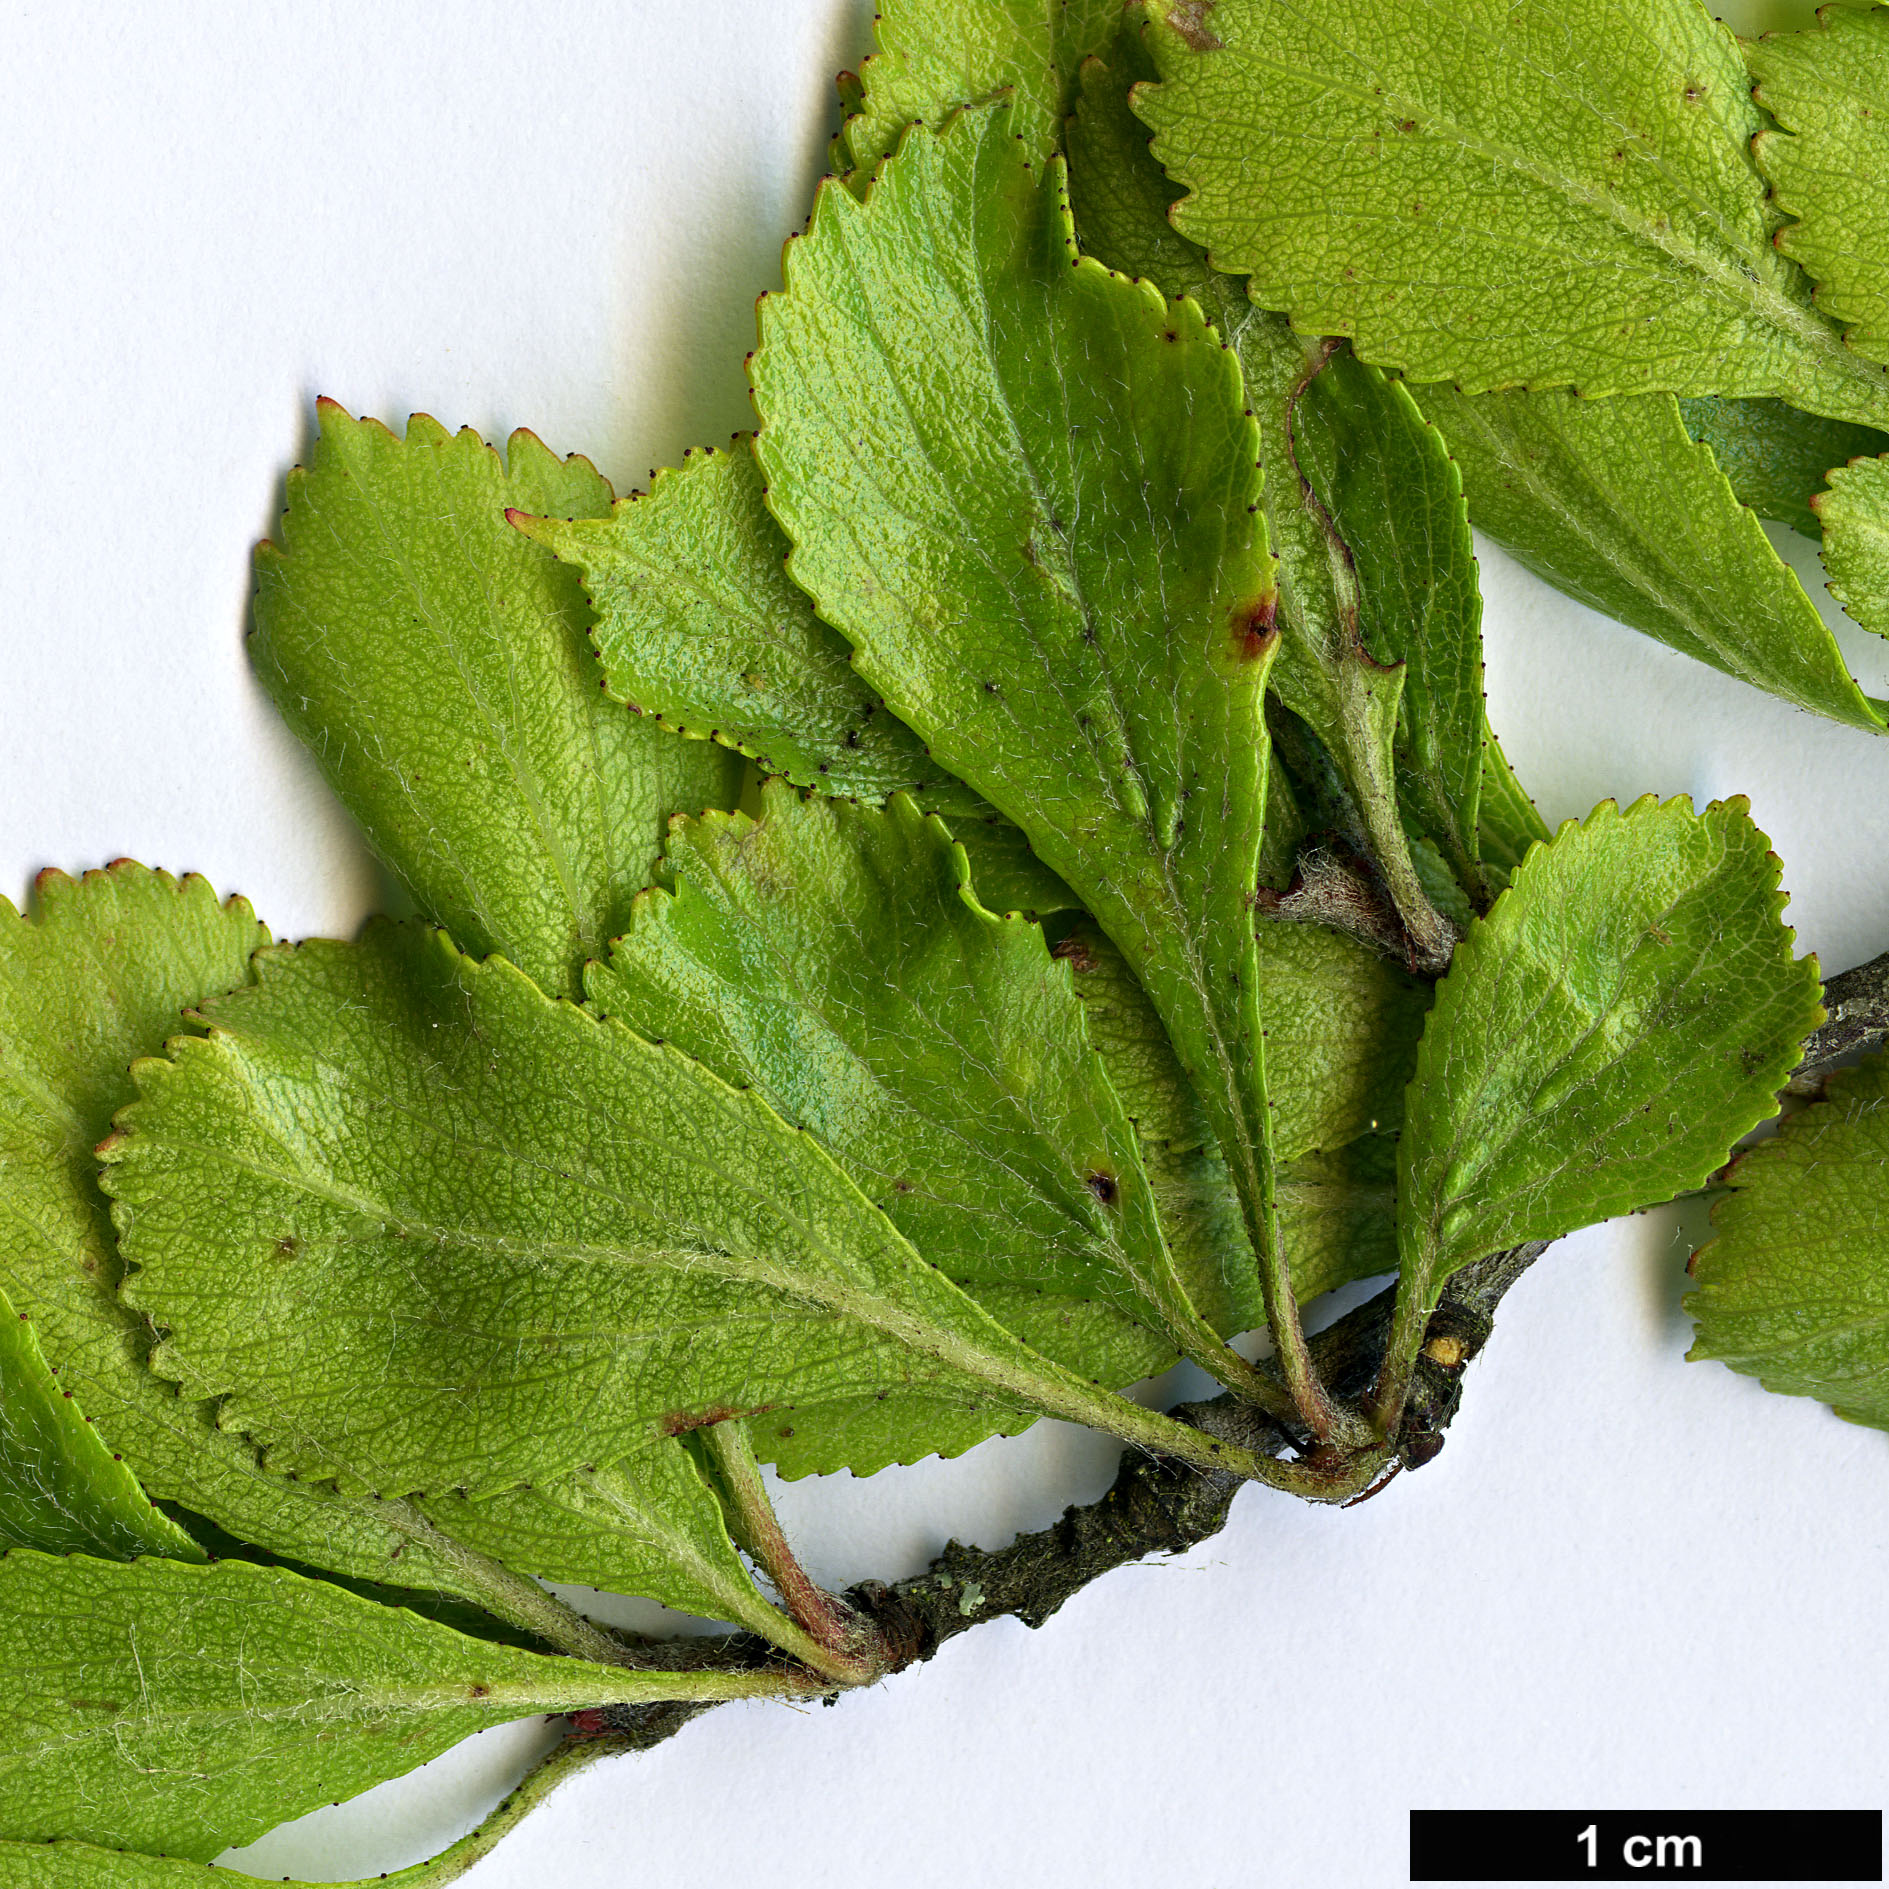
x=1254, y=628
x=1102, y=1185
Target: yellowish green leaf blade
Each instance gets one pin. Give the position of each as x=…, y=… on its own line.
x=182, y=1708
x=1855, y=516
x=430, y=1230
x=61, y=1489
x=1044, y=545
x=438, y=666
x=1828, y=161
x=1614, y=503
x=1627, y=1010
x=834, y=958
x=1497, y=195
x=1794, y=1287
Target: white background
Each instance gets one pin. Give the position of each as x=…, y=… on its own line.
x=1627, y=1581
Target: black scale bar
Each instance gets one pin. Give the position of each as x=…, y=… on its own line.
x=1574, y=1846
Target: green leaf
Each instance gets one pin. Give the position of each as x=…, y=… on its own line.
x=1612, y=502
x=833, y=958
x=1498, y=195
x=102, y=978
x=1855, y=517
x=1341, y=1038
x=1627, y=1010
x=1396, y=501
x=1121, y=199
x=1047, y=556
x=700, y=626
x=61, y=1489
x=935, y=55
x=1508, y=819
x=68, y=1865
x=431, y=1230
x=1776, y=458
x=438, y=667
x=1342, y=1031
x=867, y=1434
x=179, y=1708
x=645, y=1524
x=1794, y=1290
x=1828, y=161
x=1337, y=1217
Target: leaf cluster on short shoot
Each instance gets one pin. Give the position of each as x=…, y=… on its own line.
x=997, y=882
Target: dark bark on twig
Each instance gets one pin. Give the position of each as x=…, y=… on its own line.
x=1858, y=1006
x=1155, y=1506
x=1158, y=1506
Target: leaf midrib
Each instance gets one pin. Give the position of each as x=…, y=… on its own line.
x=913, y=1329
x=211, y=1724
x=1803, y=326
x=1493, y=1206
x=524, y=776
x=1632, y=570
